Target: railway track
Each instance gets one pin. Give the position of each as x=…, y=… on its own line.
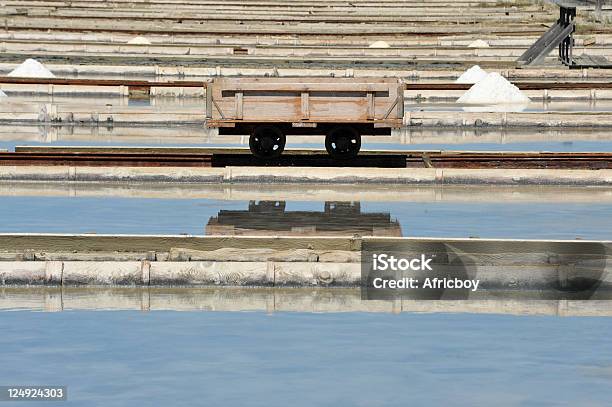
x=311, y=158
x=525, y=85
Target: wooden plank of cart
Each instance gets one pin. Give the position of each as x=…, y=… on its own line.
x=270, y=109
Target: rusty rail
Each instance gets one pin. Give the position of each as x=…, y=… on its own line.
x=528, y=85
x=107, y=159
x=100, y=82
x=395, y=159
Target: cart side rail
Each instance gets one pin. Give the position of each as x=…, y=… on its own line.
x=295, y=100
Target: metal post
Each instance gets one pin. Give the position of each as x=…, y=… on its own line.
x=598, y=9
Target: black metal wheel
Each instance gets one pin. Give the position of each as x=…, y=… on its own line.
x=267, y=142
x=343, y=142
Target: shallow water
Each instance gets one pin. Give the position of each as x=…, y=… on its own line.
x=552, y=218
x=169, y=358
x=303, y=359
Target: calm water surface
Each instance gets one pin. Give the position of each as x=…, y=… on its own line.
x=238, y=359
x=553, y=220
x=166, y=358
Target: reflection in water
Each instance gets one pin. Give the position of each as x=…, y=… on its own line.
x=272, y=217
x=278, y=299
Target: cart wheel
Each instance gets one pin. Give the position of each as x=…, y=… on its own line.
x=267, y=142
x=343, y=142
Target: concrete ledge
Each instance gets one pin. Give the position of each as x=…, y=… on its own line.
x=549, y=119
x=500, y=264
x=541, y=276
x=526, y=177
x=194, y=273
x=314, y=192
x=152, y=116
x=112, y=174
x=209, y=72
x=305, y=175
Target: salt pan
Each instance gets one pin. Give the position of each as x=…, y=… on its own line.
x=379, y=44
x=472, y=75
x=31, y=68
x=139, y=41
x=502, y=107
x=493, y=89
x=479, y=44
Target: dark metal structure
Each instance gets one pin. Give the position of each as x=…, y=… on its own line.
x=560, y=36
x=308, y=158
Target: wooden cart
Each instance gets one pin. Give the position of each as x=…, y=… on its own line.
x=269, y=109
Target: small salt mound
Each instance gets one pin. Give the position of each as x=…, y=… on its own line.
x=472, y=75
x=2, y=94
x=493, y=89
x=379, y=44
x=479, y=44
x=31, y=68
x=139, y=41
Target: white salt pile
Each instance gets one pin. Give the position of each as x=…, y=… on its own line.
x=2, y=94
x=493, y=89
x=472, y=75
x=379, y=44
x=479, y=44
x=139, y=41
x=31, y=68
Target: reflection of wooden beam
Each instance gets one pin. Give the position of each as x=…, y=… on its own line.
x=338, y=218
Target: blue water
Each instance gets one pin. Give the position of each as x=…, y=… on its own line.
x=283, y=359
x=546, y=220
x=164, y=358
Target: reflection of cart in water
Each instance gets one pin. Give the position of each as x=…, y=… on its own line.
x=272, y=218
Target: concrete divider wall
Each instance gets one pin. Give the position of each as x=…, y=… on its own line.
x=508, y=264
x=262, y=274
x=303, y=175
x=193, y=273
x=315, y=192
x=162, y=72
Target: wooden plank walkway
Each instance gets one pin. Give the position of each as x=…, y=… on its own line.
x=591, y=61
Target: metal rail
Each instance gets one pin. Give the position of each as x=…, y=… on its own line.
x=107, y=159
x=100, y=82
x=395, y=159
x=528, y=85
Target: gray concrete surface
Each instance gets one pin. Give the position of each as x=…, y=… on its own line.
x=303, y=175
